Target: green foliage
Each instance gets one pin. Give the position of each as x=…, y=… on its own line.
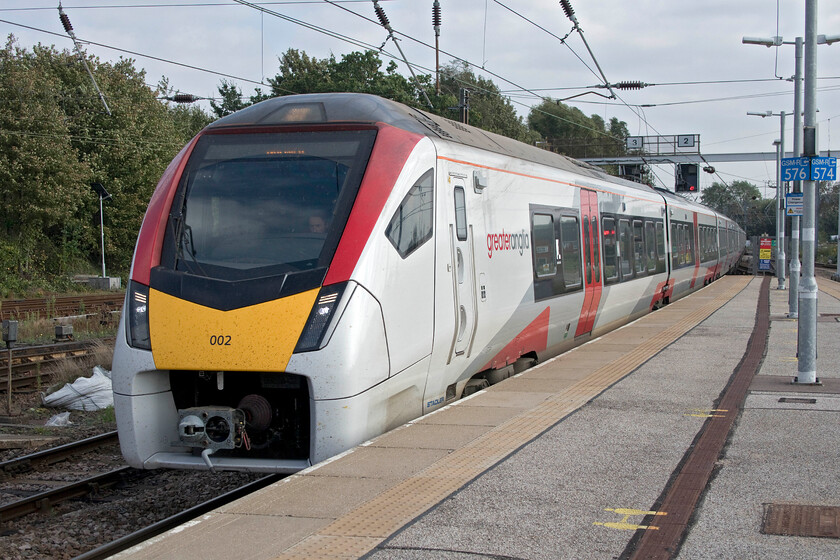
x=56, y=139
x=568, y=131
x=231, y=99
x=741, y=201
x=489, y=109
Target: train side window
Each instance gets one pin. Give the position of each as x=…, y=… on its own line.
x=570, y=250
x=660, y=247
x=545, y=261
x=650, y=246
x=639, y=248
x=412, y=223
x=460, y=214
x=625, y=240
x=610, y=252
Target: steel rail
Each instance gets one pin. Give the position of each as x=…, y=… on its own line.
x=43, y=501
x=55, y=454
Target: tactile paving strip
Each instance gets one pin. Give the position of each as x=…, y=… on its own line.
x=361, y=529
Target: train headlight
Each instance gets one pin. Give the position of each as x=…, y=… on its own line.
x=323, y=311
x=138, y=316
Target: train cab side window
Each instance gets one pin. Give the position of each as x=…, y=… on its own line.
x=412, y=223
x=460, y=214
x=610, y=251
x=545, y=260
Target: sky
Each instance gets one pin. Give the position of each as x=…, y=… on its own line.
x=707, y=80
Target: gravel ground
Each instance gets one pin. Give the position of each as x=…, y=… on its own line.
x=74, y=528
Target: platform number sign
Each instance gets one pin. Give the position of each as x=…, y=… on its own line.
x=635, y=142
x=685, y=141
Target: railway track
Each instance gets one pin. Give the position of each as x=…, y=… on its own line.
x=113, y=508
x=146, y=533
x=31, y=363
x=59, y=306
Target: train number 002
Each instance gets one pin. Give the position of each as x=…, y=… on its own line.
x=220, y=340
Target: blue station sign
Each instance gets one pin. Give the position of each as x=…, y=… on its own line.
x=824, y=169
x=809, y=169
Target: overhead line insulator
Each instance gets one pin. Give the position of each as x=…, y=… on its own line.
x=630, y=85
x=569, y=11
x=65, y=21
x=436, y=14
x=184, y=98
x=383, y=19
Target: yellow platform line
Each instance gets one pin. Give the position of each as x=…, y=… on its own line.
x=830, y=287
x=362, y=529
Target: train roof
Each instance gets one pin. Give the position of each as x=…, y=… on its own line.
x=369, y=109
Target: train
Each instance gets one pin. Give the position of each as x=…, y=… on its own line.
x=315, y=270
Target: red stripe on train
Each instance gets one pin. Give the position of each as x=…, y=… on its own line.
x=533, y=338
x=387, y=160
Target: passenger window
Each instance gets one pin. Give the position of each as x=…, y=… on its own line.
x=639, y=247
x=610, y=252
x=460, y=214
x=650, y=246
x=660, y=246
x=570, y=243
x=625, y=239
x=545, y=262
x=412, y=223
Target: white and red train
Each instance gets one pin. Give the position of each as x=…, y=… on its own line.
x=315, y=270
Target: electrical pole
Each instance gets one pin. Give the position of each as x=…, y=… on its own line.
x=795, y=267
x=807, y=324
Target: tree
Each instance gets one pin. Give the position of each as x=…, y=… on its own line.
x=741, y=201
x=56, y=139
x=488, y=108
x=568, y=131
x=231, y=99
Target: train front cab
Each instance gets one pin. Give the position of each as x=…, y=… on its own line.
x=235, y=292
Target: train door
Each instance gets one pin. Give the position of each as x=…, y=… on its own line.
x=591, y=260
x=462, y=263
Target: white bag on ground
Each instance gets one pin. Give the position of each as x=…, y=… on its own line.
x=60, y=420
x=86, y=393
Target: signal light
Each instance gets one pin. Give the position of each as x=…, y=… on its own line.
x=686, y=178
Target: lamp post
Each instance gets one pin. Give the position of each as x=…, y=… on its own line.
x=103, y=195
x=780, y=206
x=807, y=292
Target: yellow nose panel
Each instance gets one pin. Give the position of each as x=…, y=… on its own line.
x=260, y=337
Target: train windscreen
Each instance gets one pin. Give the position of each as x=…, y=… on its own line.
x=259, y=204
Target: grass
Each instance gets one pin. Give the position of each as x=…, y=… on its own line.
x=35, y=330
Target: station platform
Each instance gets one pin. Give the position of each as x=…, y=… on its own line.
x=677, y=436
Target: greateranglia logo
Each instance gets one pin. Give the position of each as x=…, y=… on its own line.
x=508, y=242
